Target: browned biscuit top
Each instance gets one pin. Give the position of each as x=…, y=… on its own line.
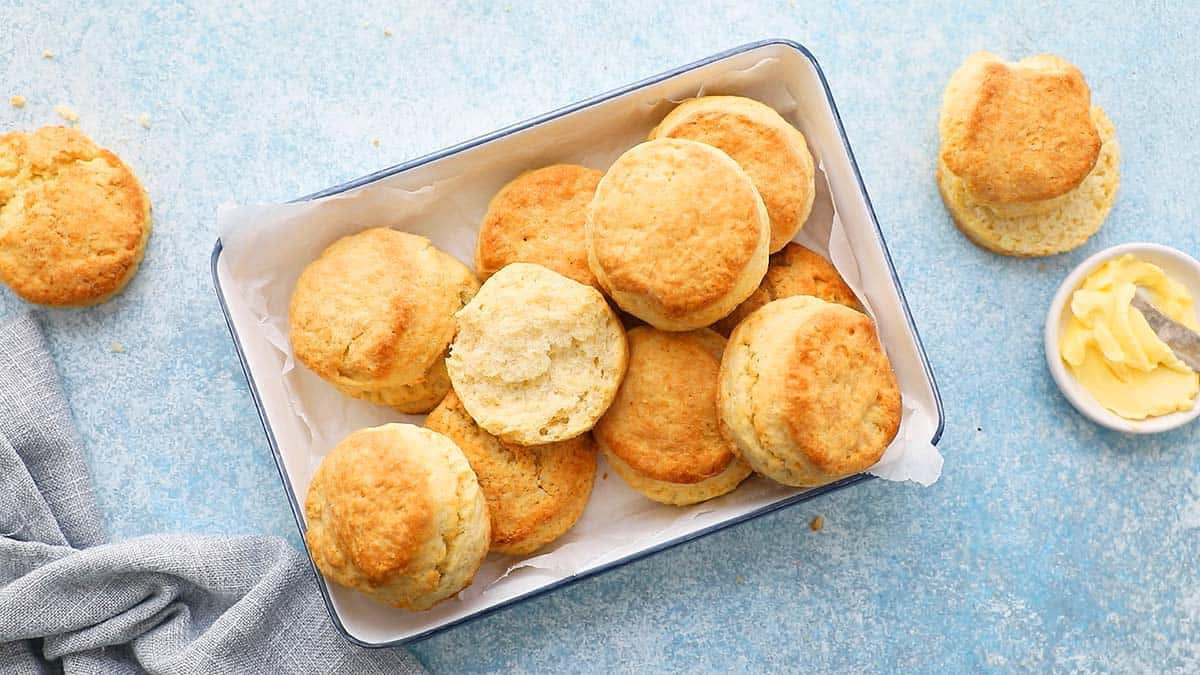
x=663, y=422
x=1018, y=132
x=795, y=270
x=74, y=221
x=676, y=222
x=840, y=399
x=539, y=218
x=377, y=306
x=534, y=493
x=372, y=501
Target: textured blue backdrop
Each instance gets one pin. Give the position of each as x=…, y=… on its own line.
x=1048, y=543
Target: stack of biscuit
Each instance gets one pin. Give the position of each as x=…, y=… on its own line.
x=531, y=374
x=1028, y=166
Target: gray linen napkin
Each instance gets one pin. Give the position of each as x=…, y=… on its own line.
x=161, y=603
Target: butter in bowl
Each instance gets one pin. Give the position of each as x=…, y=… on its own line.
x=1120, y=366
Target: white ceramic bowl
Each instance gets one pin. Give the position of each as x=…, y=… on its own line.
x=1179, y=266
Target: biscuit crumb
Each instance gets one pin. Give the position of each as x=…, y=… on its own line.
x=47, y=54
x=741, y=580
x=387, y=32
x=143, y=120
x=66, y=112
x=375, y=142
x=17, y=101
x=817, y=523
x=116, y=348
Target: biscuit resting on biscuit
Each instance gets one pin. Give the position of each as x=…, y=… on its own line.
x=677, y=234
x=534, y=493
x=661, y=434
x=74, y=221
x=807, y=393
x=395, y=512
x=538, y=357
x=772, y=151
x=374, y=315
x=1027, y=166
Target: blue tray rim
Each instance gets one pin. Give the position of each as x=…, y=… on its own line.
x=297, y=509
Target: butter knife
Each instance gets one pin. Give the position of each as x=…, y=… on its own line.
x=1182, y=340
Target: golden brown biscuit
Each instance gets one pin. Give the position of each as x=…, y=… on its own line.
x=74, y=221
x=396, y=512
x=534, y=493
x=374, y=316
x=539, y=218
x=1069, y=221
x=677, y=234
x=773, y=152
x=1027, y=166
x=538, y=357
x=1019, y=132
x=661, y=434
x=794, y=270
x=807, y=392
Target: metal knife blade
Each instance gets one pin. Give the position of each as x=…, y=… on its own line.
x=1182, y=340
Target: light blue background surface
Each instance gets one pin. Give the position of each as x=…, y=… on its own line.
x=1048, y=543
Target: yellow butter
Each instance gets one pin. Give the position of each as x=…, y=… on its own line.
x=1112, y=351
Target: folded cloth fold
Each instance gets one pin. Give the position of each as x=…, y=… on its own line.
x=159, y=603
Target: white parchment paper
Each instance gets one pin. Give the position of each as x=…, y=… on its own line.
x=266, y=246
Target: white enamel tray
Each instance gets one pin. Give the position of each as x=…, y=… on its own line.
x=760, y=70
